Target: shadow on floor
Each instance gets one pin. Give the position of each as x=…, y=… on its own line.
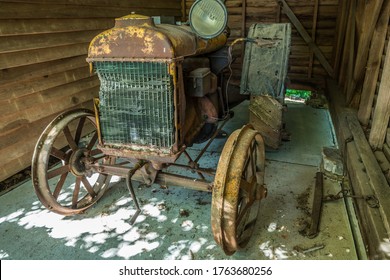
x=175, y=222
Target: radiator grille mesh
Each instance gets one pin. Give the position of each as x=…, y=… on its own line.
x=136, y=103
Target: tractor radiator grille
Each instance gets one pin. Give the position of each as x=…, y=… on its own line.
x=136, y=104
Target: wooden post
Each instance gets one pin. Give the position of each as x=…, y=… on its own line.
x=243, y=22
x=278, y=13
x=340, y=35
x=349, y=45
x=380, y=119
x=313, y=37
x=243, y=28
x=368, y=21
x=360, y=8
x=373, y=65
x=183, y=10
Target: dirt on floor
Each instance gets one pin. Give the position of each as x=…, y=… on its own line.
x=15, y=180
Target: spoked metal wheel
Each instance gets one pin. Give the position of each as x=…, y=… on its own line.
x=61, y=177
x=238, y=189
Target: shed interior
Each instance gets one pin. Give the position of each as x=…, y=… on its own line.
x=339, y=49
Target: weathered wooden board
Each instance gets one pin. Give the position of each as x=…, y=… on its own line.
x=373, y=65
x=56, y=10
x=51, y=101
x=39, y=41
x=370, y=219
x=15, y=93
x=21, y=27
x=16, y=59
x=266, y=116
x=38, y=71
x=362, y=173
x=26, y=138
x=377, y=179
x=380, y=120
x=43, y=47
x=264, y=69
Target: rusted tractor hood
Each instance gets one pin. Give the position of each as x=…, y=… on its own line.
x=137, y=37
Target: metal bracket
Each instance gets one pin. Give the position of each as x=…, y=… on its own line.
x=130, y=174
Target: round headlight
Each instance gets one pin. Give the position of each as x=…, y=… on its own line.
x=208, y=18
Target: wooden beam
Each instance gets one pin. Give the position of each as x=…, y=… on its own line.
x=349, y=45
x=278, y=13
x=341, y=26
x=302, y=31
x=350, y=52
x=373, y=65
x=360, y=7
x=243, y=27
x=384, y=163
x=380, y=120
x=370, y=219
x=378, y=180
x=313, y=37
x=183, y=11
x=372, y=10
x=243, y=19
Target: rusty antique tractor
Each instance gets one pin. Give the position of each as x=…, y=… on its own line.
x=162, y=89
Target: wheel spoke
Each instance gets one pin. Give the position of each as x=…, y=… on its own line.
x=79, y=130
x=248, y=225
x=55, y=168
x=246, y=186
x=93, y=141
x=253, y=159
x=235, y=203
x=95, y=152
x=88, y=186
x=76, y=192
x=59, y=186
x=243, y=212
x=245, y=173
x=58, y=171
x=70, y=139
x=57, y=153
x=260, y=177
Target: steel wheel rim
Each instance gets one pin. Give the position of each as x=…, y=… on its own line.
x=238, y=189
x=84, y=193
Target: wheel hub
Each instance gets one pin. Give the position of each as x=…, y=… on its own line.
x=77, y=162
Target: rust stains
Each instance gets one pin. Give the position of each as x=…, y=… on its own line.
x=136, y=37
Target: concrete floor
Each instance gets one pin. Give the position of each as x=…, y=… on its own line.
x=175, y=223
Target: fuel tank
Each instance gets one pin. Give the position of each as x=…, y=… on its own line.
x=136, y=37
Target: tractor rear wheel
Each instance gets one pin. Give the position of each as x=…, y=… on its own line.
x=238, y=189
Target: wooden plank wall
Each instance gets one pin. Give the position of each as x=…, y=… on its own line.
x=43, y=47
x=362, y=64
x=381, y=139
x=317, y=16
